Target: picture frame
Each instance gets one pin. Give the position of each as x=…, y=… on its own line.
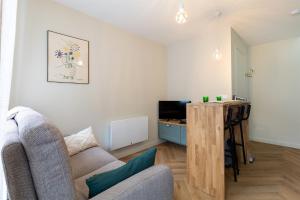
x=67, y=59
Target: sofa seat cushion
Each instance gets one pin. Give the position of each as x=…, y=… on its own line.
x=89, y=160
x=80, y=183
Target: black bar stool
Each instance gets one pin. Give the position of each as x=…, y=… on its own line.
x=231, y=143
x=239, y=121
x=248, y=112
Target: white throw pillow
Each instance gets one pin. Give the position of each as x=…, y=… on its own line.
x=81, y=141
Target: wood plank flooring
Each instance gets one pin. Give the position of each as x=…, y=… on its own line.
x=275, y=175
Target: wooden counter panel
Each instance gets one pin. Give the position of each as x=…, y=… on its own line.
x=205, y=149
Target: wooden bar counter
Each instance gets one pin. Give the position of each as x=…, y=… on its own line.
x=205, y=147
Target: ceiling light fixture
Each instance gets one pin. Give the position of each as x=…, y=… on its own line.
x=181, y=16
x=295, y=12
x=217, y=54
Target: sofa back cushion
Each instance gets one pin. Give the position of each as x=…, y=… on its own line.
x=47, y=156
x=15, y=164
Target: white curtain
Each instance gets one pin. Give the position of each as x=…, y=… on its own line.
x=8, y=34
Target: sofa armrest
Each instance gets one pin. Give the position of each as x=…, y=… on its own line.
x=154, y=183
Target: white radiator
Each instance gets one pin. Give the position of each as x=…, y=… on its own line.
x=128, y=131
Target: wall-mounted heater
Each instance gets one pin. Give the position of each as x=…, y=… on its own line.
x=128, y=131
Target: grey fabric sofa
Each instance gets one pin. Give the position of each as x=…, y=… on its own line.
x=37, y=166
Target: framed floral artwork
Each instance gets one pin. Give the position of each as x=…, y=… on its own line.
x=68, y=59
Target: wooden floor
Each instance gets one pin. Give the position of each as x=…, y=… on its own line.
x=275, y=175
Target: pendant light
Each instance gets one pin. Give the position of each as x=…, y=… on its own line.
x=181, y=16
x=217, y=54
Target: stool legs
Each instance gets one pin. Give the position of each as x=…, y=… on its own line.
x=243, y=142
x=235, y=153
x=235, y=165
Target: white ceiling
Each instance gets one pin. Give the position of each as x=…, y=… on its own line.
x=257, y=21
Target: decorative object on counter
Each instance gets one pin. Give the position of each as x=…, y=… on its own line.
x=224, y=97
x=235, y=97
x=219, y=98
x=205, y=99
x=68, y=59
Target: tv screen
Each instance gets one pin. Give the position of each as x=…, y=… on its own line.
x=172, y=109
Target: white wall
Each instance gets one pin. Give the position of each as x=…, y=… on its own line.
x=275, y=92
x=192, y=70
x=127, y=73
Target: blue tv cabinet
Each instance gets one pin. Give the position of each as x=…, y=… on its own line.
x=173, y=131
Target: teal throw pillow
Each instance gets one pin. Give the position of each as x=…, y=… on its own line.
x=101, y=182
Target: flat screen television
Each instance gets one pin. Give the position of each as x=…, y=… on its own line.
x=172, y=109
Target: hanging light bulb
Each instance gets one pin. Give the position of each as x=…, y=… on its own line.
x=181, y=16
x=217, y=54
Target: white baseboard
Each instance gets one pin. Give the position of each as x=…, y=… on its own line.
x=270, y=141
